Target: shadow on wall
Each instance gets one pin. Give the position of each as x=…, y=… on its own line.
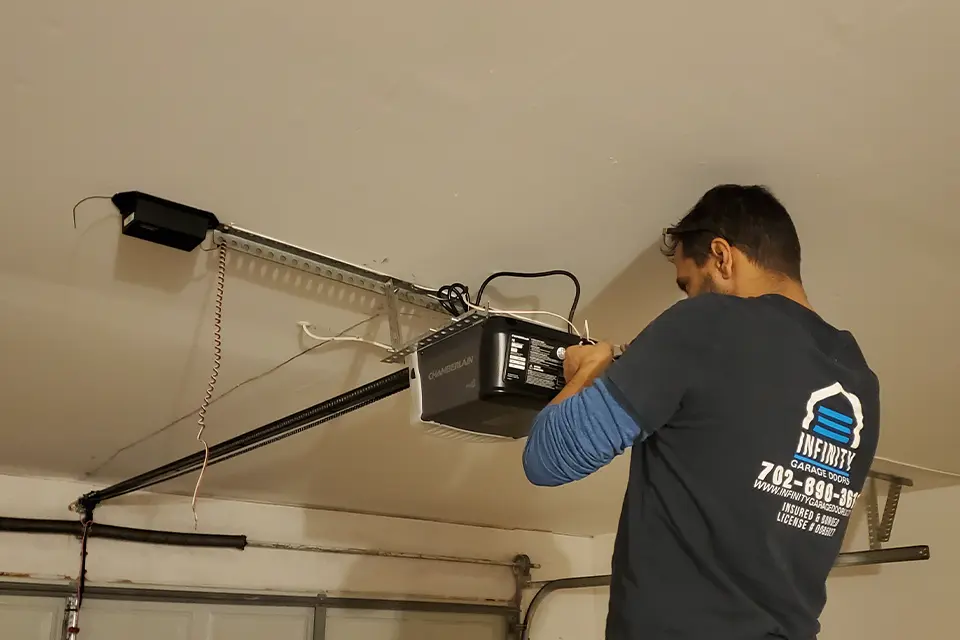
x=143, y=263
x=639, y=294
x=497, y=299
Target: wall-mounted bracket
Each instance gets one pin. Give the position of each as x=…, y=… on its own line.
x=879, y=527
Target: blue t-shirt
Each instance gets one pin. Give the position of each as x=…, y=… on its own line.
x=755, y=424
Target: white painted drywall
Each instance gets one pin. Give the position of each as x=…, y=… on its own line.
x=109, y=562
x=913, y=599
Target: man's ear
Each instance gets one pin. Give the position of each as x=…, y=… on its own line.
x=722, y=254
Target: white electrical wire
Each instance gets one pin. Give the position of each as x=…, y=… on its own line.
x=305, y=327
x=520, y=314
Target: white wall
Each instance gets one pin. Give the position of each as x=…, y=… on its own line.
x=110, y=562
x=912, y=599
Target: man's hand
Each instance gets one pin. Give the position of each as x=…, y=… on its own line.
x=581, y=365
x=587, y=360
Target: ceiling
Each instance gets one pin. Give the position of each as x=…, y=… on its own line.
x=439, y=141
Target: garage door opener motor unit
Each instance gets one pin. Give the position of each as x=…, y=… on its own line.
x=486, y=376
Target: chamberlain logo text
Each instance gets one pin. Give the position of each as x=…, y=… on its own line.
x=453, y=366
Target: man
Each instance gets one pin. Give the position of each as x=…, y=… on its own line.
x=753, y=422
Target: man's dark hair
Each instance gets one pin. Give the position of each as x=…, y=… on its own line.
x=750, y=218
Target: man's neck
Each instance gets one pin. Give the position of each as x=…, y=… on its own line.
x=772, y=285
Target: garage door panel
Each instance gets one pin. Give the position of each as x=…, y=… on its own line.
x=113, y=620
x=363, y=625
x=475, y=630
x=412, y=625
x=30, y=618
x=41, y=618
x=284, y=624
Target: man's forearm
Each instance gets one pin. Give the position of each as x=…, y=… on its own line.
x=574, y=437
x=582, y=379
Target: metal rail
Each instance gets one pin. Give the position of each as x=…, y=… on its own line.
x=289, y=255
x=138, y=594
x=883, y=556
x=382, y=553
x=582, y=582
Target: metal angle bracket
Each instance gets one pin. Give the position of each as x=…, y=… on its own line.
x=393, y=316
x=873, y=518
x=288, y=255
x=880, y=526
x=434, y=336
